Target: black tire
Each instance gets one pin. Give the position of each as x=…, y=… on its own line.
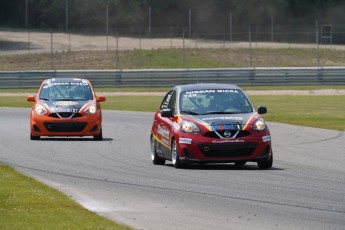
x=240, y=163
x=175, y=156
x=34, y=138
x=156, y=160
x=98, y=137
x=266, y=163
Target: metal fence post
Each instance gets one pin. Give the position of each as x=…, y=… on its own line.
x=107, y=25
x=117, y=50
x=317, y=43
x=230, y=29
x=69, y=41
x=51, y=50
x=250, y=47
x=183, y=50
x=139, y=39
x=29, y=41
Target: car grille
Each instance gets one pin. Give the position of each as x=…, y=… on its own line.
x=65, y=126
x=228, y=150
x=65, y=115
x=227, y=134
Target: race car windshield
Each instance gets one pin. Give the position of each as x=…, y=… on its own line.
x=67, y=91
x=214, y=101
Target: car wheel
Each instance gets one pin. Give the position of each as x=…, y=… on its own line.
x=175, y=156
x=34, y=137
x=266, y=163
x=98, y=137
x=156, y=160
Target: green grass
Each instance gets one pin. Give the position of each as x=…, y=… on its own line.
x=173, y=58
x=28, y=204
x=314, y=111
x=134, y=103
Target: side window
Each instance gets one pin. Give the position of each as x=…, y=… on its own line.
x=172, y=102
x=166, y=100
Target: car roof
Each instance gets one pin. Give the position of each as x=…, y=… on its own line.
x=205, y=86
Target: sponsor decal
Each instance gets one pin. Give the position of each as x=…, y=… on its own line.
x=266, y=138
x=65, y=103
x=227, y=141
x=223, y=118
x=176, y=126
x=187, y=141
x=225, y=127
x=194, y=93
x=227, y=134
x=227, y=91
x=66, y=83
x=162, y=142
x=62, y=110
x=165, y=133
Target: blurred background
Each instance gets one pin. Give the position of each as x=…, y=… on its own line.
x=240, y=32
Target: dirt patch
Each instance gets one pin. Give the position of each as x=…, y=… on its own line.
x=17, y=42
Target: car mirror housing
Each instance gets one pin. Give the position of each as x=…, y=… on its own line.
x=262, y=110
x=30, y=98
x=167, y=113
x=101, y=99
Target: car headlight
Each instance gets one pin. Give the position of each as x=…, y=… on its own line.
x=92, y=109
x=259, y=125
x=189, y=127
x=40, y=110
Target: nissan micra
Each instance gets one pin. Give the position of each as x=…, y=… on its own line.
x=210, y=123
x=66, y=107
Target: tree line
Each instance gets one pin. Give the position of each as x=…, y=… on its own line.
x=59, y=14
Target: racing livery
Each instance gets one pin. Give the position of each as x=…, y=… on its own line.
x=210, y=123
x=66, y=107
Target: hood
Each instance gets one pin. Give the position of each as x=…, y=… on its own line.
x=64, y=106
x=224, y=121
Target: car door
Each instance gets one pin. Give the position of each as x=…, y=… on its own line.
x=164, y=124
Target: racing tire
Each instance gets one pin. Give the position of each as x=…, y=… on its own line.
x=266, y=163
x=156, y=160
x=175, y=156
x=98, y=137
x=34, y=138
x=240, y=163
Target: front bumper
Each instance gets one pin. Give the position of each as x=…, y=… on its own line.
x=85, y=125
x=193, y=148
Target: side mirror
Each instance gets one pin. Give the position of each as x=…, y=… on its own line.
x=100, y=98
x=30, y=98
x=167, y=113
x=262, y=110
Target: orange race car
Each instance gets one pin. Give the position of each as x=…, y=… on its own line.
x=66, y=107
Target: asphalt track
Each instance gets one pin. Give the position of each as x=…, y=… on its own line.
x=115, y=177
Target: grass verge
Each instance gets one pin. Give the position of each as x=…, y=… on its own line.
x=28, y=204
x=173, y=58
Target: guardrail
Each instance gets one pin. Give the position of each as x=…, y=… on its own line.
x=170, y=77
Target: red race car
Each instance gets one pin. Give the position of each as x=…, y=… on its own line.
x=66, y=107
x=210, y=123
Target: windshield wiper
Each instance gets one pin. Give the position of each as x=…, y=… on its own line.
x=44, y=99
x=189, y=112
x=219, y=112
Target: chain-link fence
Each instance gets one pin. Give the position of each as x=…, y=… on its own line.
x=251, y=46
